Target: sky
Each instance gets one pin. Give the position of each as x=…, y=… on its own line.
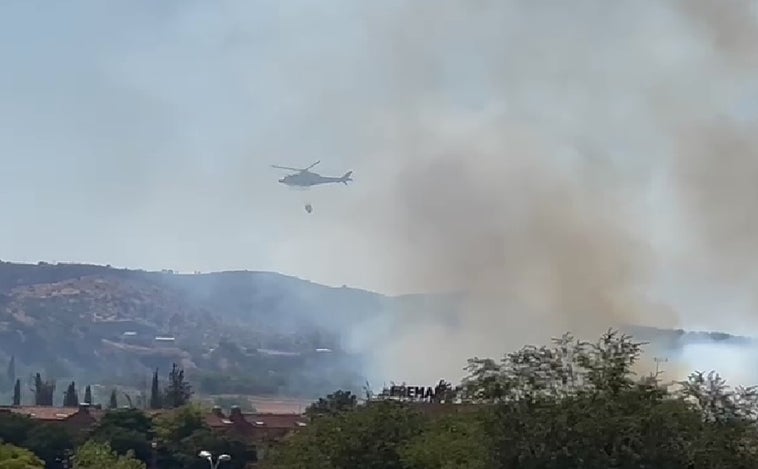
x=565, y=157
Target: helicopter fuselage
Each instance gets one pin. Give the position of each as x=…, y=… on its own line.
x=307, y=179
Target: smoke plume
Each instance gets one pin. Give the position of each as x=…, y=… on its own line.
x=536, y=202
x=564, y=166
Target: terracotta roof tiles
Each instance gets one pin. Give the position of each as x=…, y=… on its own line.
x=44, y=413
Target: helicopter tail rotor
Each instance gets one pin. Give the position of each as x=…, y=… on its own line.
x=344, y=179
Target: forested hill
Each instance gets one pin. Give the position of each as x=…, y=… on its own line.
x=105, y=324
x=234, y=332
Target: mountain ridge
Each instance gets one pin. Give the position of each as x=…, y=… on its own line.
x=241, y=331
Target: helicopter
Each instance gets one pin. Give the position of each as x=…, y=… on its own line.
x=306, y=178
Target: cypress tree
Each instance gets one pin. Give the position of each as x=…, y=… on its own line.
x=70, y=397
x=17, y=393
x=38, y=391
x=113, y=404
x=155, y=393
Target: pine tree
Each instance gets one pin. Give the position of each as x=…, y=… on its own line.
x=70, y=397
x=178, y=392
x=88, y=395
x=17, y=393
x=156, y=401
x=113, y=404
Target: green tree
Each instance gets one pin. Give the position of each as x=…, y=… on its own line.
x=13, y=457
x=178, y=391
x=17, y=393
x=88, y=395
x=372, y=436
x=578, y=404
x=94, y=455
x=50, y=442
x=451, y=442
x=570, y=405
x=71, y=396
x=335, y=403
x=156, y=399
x=43, y=391
x=183, y=433
x=569, y=366
x=14, y=428
x=125, y=430
x=113, y=404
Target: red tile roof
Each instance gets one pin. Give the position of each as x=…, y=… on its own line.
x=277, y=421
x=44, y=413
x=217, y=421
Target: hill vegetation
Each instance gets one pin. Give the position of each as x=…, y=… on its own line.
x=235, y=333
x=571, y=405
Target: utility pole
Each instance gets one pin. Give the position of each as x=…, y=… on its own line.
x=154, y=454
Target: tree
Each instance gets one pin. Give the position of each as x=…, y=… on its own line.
x=14, y=428
x=125, y=430
x=184, y=432
x=572, y=405
x=13, y=457
x=43, y=391
x=156, y=399
x=568, y=367
x=94, y=455
x=372, y=437
x=17, y=393
x=178, y=391
x=51, y=442
x=335, y=403
x=445, y=392
x=451, y=442
x=113, y=404
x=71, y=397
x=88, y=395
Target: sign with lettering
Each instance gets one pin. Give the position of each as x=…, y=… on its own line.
x=413, y=392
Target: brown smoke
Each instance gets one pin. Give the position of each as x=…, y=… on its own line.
x=729, y=27
x=542, y=235
x=539, y=247
x=717, y=173
x=715, y=155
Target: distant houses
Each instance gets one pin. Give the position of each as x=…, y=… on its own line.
x=261, y=429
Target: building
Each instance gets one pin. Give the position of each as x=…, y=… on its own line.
x=74, y=419
x=256, y=427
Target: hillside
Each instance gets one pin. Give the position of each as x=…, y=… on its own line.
x=234, y=332
x=101, y=324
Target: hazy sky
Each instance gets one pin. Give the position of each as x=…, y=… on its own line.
x=140, y=134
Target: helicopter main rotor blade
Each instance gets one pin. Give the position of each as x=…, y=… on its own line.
x=285, y=167
x=311, y=166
